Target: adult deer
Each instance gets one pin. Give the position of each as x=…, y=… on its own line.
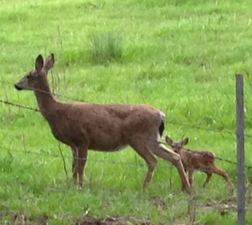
x=107, y=127
x=197, y=160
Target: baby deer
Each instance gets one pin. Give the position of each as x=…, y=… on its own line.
x=196, y=160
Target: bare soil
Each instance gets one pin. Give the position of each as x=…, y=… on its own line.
x=88, y=220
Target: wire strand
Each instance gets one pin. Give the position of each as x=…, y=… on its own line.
x=45, y=153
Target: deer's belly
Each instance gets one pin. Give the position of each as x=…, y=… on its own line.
x=106, y=142
x=107, y=148
x=100, y=141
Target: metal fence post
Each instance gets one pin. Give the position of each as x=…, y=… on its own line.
x=240, y=150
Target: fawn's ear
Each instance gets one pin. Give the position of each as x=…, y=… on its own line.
x=185, y=141
x=49, y=62
x=39, y=63
x=168, y=140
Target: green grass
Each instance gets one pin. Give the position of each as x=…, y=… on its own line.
x=177, y=55
x=104, y=48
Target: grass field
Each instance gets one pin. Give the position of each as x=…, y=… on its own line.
x=177, y=55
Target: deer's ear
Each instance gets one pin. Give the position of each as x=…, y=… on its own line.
x=39, y=63
x=49, y=62
x=168, y=140
x=185, y=141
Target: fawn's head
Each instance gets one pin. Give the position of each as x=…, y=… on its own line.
x=176, y=145
x=34, y=78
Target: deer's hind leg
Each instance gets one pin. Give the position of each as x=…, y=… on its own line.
x=169, y=155
x=148, y=157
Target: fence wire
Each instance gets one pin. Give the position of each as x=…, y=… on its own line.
x=194, y=126
x=43, y=152
x=25, y=107
x=192, y=203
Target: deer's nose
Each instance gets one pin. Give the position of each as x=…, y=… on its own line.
x=17, y=87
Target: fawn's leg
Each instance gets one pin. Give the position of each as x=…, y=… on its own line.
x=222, y=173
x=190, y=176
x=209, y=175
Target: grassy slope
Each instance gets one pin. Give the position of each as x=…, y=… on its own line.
x=180, y=56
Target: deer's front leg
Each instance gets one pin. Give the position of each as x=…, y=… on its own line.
x=74, y=163
x=81, y=159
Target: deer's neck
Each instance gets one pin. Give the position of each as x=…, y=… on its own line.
x=45, y=99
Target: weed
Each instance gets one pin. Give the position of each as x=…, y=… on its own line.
x=105, y=47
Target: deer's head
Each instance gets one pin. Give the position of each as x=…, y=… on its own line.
x=34, y=78
x=176, y=145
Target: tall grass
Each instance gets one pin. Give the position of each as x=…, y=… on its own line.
x=105, y=47
x=177, y=55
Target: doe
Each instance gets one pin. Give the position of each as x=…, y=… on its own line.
x=102, y=127
x=196, y=160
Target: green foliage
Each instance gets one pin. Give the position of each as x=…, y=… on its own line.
x=177, y=55
x=105, y=47
x=216, y=218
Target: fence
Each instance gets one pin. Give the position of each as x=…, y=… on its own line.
x=191, y=201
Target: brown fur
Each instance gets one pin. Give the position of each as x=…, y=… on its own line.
x=109, y=127
x=196, y=160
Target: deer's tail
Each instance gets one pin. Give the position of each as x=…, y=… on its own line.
x=161, y=126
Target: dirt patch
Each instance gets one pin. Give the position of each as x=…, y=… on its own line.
x=223, y=206
x=109, y=220
x=21, y=219
x=159, y=203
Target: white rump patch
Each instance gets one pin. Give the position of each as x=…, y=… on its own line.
x=162, y=114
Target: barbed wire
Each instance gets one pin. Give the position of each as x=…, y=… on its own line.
x=19, y=105
x=194, y=126
x=169, y=121
x=55, y=155
x=42, y=152
x=47, y=92
x=195, y=202
x=192, y=201
x=198, y=127
x=139, y=163
x=230, y=161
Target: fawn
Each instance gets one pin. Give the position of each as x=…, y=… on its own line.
x=196, y=160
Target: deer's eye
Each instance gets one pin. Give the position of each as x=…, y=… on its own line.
x=29, y=76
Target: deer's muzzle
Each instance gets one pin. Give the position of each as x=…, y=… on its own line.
x=18, y=87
